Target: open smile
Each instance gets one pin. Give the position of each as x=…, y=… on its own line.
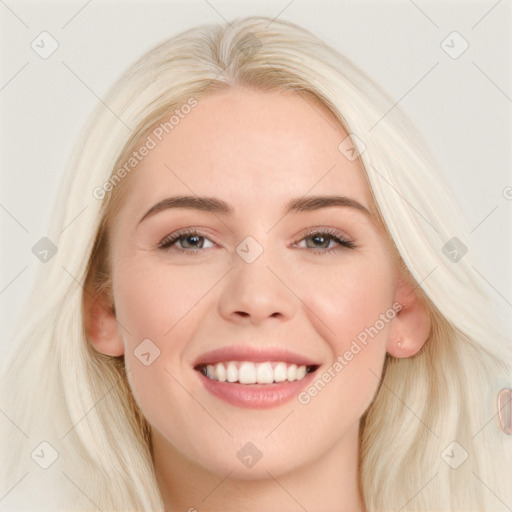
x=254, y=377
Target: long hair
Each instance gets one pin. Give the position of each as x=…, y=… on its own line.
x=431, y=408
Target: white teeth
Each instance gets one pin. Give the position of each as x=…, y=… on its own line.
x=246, y=372
x=220, y=372
x=210, y=371
x=231, y=372
x=264, y=374
x=300, y=373
x=291, y=372
x=280, y=372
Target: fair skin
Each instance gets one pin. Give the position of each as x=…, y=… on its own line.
x=255, y=151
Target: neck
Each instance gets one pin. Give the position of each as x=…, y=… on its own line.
x=328, y=484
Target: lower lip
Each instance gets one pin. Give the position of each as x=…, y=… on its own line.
x=256, y=396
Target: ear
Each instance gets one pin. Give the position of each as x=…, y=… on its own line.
x=101, y=324
x=411, y=326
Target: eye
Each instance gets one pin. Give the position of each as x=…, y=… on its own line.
x=185, y=241
x=193, y=242
x=327, y=240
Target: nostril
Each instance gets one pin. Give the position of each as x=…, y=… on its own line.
x=244, y=314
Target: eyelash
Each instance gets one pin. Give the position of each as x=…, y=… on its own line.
x=171, y=240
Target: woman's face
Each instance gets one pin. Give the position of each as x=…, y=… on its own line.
x=279, y=261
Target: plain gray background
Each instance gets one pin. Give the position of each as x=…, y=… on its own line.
x=461, y=105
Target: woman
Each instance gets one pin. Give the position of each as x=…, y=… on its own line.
x=264, y=306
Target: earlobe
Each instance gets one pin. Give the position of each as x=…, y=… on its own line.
x=101, y=325
x=410, y=328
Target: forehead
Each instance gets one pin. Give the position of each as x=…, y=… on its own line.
x=250, y=147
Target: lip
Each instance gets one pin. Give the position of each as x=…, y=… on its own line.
x=255, y=396
x=254, y=355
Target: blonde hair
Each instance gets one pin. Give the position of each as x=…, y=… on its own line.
x=58, y=389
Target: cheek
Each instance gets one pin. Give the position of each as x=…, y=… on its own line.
x=350, y=296
x=158, y=308
x=351, y=306
x=151, y=299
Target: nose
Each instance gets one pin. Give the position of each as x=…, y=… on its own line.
x=254, y=293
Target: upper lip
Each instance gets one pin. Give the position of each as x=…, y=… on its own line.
x=253, y=354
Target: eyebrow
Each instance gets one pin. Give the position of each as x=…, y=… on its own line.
x=215, y=205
